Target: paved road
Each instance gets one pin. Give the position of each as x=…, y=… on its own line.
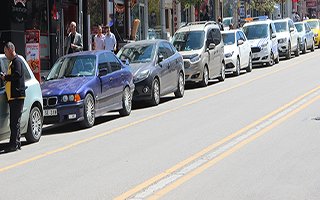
x=254, y=136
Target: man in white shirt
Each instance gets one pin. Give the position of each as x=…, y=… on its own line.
x=99, y=40
x=110, y=42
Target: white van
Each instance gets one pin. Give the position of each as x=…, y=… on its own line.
x=263, y=40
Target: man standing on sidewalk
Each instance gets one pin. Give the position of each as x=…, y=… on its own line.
x=15, y=89
x=110, y=42
x=73, y=41
x=99, y=39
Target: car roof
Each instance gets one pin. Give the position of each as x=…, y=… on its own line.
x=231, y=31
x=198, y=26
x=309, y=20
x=268, y=21
x=282, y=20
x=153, y=41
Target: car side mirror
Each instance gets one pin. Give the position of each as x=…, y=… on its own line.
x=43, y=78
x=126, y=61
x=291, y=29
x=240, y=42
x=103, y=72
x=160, y=58
x=212, y=46
x=273, y=35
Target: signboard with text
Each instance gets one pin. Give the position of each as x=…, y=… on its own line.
x=33, y=51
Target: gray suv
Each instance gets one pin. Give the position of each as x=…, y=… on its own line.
x=202, y=49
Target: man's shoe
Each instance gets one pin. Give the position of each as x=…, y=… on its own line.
x=12, y=149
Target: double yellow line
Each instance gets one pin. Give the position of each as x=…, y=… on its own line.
x=208, y=149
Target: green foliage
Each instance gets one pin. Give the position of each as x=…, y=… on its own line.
x=188, y=3
x=95, y=9
x=264, y=6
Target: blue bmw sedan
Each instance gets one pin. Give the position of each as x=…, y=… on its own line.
x=84, y=85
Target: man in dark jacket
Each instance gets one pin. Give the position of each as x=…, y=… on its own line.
x=15, y=90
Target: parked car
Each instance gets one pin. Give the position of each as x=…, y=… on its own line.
x=32, y=117
x=263, y=39
x=315, y=27
x=288, y=37
x=202, y=49
x=157, y=68
x=237, y=51
x=306, y=36
x=226, y=22
x=84, y=85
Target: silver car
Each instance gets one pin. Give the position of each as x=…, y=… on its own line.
x=32, y=118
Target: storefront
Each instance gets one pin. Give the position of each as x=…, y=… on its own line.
x=51, y=17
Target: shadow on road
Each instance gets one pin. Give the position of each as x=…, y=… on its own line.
x=136, y=105
x=5, y=146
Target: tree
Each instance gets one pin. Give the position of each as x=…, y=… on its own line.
x=264, y=6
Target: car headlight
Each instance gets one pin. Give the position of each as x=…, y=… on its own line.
x=228, y=55
x=195, y=58
x=142, y=75
x=264, y=45
x=282, y=40
x=71, y=98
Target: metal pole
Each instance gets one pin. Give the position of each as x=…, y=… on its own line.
x=163, y=19
x=146, y=20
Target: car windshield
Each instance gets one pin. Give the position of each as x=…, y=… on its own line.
x=299, y=27
x=313, y=24
x=188, y=41
x=73, y=66
x=228, y=38
x=226, y=21
x=281, y=27
x=140, y=53
x=257, y=31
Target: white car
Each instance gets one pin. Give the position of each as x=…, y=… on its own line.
x=288, y=37
x=263, y=40
x=32, y=118
x=237, y=51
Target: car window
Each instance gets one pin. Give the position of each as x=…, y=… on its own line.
x=27, y=75
x=139, y=53
x=216, y=35
x=174, y=50
x=242, y=36
x=114, y=62
x=281, y=27
x=228, y=38
x=291, y=25
x=256, y=31
x=209, y=36
x=163, y=51
x=189, y=40
x=103, y=63
x=307, y=27
x=238, y=36
x=299, y=27
x=168, y=49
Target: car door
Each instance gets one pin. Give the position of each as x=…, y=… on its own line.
x=293, y=35
x=218, y=53
x=309, y=35
x=4, y=107
x=173, y=66
x=164, y=71
x=104, y=94
x=210, y=52
x=244, y=49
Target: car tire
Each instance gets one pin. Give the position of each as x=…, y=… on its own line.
x=277, y=60
x=180, y=90
x=126, y=102
x=89, y=111
x=205, y=77
x=155, y=93
x=237, y=72
x=34, y=131
x=297, y=51
x=312, y=47
x=288, y=55
x=249, y=67
x=223, y=73
x=304, y=50
x=271, y=62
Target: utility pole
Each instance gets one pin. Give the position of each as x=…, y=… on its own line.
x=163, y=19
x=146, y=19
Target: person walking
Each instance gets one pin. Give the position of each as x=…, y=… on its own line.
x=110, y=42
x=220, y=24
x=99, y=39
x=15, y=90
x=73, y=41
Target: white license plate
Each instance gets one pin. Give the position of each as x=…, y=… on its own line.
x=50, y=112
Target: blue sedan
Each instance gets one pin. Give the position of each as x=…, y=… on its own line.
x=85, y=85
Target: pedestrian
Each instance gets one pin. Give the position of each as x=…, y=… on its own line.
x=220, y=24
x=230, y=26
x=73, y=41
x=110, y=42
x=15, y=90
x=99, y=39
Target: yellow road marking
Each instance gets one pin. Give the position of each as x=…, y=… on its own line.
x=210, y=148
x=205, y=166
x=23, y=162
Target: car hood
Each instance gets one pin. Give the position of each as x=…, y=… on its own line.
x=258, y=42
x=229, y=48
x=301, y=34
x=282, y=35
x=136, y=68
x=63, y=86
x=189, y=53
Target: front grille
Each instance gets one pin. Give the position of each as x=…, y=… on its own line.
x=50, y=101
x=255, y=49
x=229, y=65
x=255, y=59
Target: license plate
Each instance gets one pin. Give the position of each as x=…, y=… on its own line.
x=50, y=112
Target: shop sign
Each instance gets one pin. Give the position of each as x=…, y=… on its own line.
x=32, y=38
x=19, y=10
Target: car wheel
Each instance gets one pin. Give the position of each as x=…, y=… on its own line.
x=180, y=91
x=297, y=52
x=312, y=47
x=223, y=73
x=155, y=92
x=271, y=62
x=205, y=77
x=304, y=50
x=288, y=56
x=249, y=68
x=35, y=125
x=277, y=60
x=126, y=102
x=237, y=72
x=89, y=111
